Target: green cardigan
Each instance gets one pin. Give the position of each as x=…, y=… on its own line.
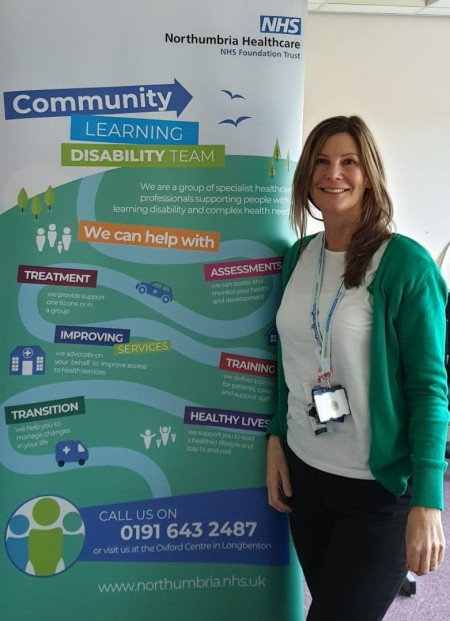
x=408, y=381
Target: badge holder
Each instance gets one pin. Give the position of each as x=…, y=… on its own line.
x=317, y=427
x=330, y=403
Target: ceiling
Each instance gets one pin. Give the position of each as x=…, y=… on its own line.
x=433, y=8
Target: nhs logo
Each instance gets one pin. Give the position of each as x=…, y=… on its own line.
x=280, y=25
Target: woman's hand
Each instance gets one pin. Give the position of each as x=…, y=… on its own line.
x=277, y=478
x=425, y=542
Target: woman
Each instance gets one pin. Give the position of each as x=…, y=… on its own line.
x=356, y=447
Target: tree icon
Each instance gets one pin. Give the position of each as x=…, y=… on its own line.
x=22, y=200
x=288, y=161
x=272, y=170
x=49, y=197
x=276, y=151
x=36, y=207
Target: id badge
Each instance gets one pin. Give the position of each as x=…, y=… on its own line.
x=331, y=403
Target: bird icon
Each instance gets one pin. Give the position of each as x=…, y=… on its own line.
x=233, y=95
x=236, y=122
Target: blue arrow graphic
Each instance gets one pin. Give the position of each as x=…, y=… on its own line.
x=94, y=100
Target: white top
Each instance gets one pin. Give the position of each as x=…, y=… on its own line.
x=344, y=449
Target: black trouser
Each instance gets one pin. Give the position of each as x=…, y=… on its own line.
x=350, y=539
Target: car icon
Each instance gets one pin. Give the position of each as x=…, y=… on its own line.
x=157, y=289
x=67, y=451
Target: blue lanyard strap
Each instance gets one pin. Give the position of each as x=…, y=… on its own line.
x=323, y=342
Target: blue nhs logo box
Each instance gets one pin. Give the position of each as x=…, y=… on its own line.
x=280, y=24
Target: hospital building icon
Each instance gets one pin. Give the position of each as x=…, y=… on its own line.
x=27, y=360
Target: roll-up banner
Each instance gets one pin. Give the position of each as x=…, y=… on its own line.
x=147, y=153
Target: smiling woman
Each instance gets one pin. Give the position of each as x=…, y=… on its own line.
x=374, y=224
x=363, y=487
x=337, y=188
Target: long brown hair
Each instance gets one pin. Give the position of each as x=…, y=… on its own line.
x=376, y=215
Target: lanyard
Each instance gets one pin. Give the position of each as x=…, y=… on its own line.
x=323, y=341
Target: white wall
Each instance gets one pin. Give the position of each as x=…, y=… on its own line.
x=395, y=73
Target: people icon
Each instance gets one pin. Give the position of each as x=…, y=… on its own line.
x=66, y=238
x=45, y=544
x=147, y=436
x=17, y=543
x=40, y=239
x=165, y=432
x=161, y=439
x=45, y=536
x=73, y=542
x=51, y=235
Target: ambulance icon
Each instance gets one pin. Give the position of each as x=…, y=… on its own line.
x=68, y=451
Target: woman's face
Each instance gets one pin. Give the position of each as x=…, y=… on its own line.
x=338, y=181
